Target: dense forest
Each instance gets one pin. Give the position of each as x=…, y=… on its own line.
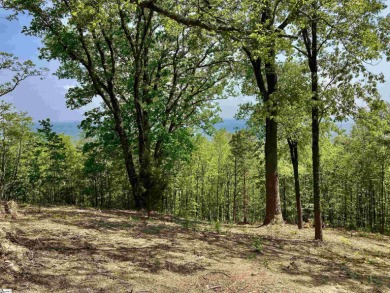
x=220, y=178
x=159, y=69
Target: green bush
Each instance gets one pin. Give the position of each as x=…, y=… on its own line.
x=217, y=227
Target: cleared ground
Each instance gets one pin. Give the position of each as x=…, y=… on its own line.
x=72, y=250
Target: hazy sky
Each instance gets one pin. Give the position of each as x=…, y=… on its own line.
x=45, y=98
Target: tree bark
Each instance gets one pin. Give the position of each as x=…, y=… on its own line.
x=316, y=173
x=273, y=212
x=273, y=209
x=311, y=44
x=293, y=145
x=245, y=203
x=382, y=227
x=315, y=133
x=268, y=86
x=235, y=191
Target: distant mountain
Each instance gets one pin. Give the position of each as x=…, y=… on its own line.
x=230, y=124
x=67, y=128
x=71, y=128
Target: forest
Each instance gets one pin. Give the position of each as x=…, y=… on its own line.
x=157, y=71
x=219, y=178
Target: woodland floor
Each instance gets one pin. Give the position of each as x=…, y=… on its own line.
x=83, y=250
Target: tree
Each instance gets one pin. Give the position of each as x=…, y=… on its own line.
x=336, y=40
x=293, y=108
x=16, y=71
x=244, y=149
x=54, y=149
x=155, y=80
x=291, y=102
x=219, y=160
x=258, y=29
x=14, y=133
x=294, y=119
x=371, y=133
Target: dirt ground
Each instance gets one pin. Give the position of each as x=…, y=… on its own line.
x=67, y=249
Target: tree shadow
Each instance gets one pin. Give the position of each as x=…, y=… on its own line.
x=326, y=264
x=162, y=250
x=153, y=259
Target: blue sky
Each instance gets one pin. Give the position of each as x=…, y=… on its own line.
x=45, y=98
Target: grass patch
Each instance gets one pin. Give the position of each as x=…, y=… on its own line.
x=257, y=245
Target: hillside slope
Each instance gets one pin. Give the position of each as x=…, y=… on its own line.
x=83, y=250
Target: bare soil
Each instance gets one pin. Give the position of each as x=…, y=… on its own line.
x=66, y=249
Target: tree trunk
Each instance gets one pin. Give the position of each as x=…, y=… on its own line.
x=228, y=198
x=16, y=170
x=293, y=145
x=285, y=216
x=267, y=87
x=95, y=192
x=128, y=158
x=235, y=191
x=273, y=213
x=316, y=171
x=245, y=204
x=382, y=227
x=312, y=50
x=345, y=220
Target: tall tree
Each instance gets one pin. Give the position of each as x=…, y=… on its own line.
x=336, y=39
x=14, y=134
x=244, y=149
x=54, y=148
x=294, y=118
x=258, y=29
x=155, y=80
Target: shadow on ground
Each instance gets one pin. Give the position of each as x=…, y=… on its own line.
x=67, y=248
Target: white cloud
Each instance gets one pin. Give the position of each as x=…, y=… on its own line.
x=68, y=86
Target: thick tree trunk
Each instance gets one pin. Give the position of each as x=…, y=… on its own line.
x=273, y=213
x=267, y=86
x=293, y=145
x=126, y=151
